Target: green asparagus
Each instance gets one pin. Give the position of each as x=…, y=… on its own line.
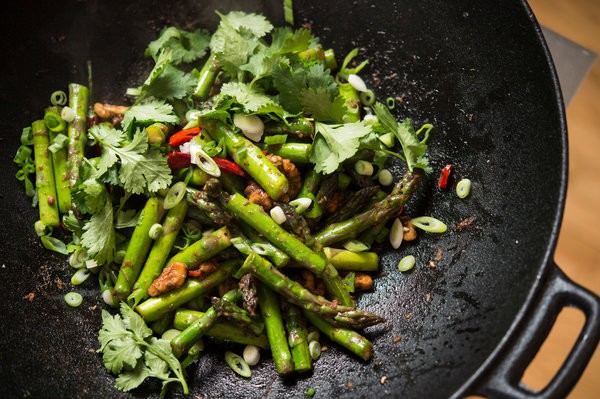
x=138, y=247
x=297, y=337
x=78, y=102
x=222, y=329
x=271, y=313
x=153, y=308
x=44, y=176
x=294, y=292
x=158, y=254
x=249, y=157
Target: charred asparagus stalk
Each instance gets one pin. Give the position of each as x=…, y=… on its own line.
x=297, y=294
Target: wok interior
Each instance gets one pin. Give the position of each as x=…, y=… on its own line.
x=476, y=71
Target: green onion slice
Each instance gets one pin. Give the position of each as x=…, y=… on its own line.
x=406, y=263
x=80, y=276
x=175, y=195
x=237, y=364
x=59, y=97
x=202, y=159
x=463, y=188
x=73, y=299
x=355, y=246
x=54, y=244
x=429, y=224
x=367, y=97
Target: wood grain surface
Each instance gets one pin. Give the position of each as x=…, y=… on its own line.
x=578, y=250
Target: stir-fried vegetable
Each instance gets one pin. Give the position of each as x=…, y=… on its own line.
x=246, y=180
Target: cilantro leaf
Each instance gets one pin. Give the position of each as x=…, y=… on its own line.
x=98, y=236
x=333, y=144
x=149, y=111
x=171, y=84
x=248, y=97
x=286, y=41
x=256, y=24
x=185, y=46
x=413, y=149
x=318, y=103
x=129, y=349
x=141, y=167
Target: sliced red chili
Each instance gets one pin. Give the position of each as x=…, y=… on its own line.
x=230, y=167
x=195, y=273
x=444, y=176
x=183, y=136
x=178, y=160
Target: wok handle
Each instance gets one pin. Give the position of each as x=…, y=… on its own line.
x=557, y=293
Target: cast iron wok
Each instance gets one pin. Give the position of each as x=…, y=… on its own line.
x=469, y=323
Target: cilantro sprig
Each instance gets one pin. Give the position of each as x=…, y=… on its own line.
x=130, y=351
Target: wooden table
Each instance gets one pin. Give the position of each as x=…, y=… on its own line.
x=578, y=250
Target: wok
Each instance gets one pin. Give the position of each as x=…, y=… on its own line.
x=479, y=71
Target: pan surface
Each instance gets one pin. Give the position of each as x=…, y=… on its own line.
x=478, y=71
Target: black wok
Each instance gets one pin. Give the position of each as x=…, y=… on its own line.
x=478, y=70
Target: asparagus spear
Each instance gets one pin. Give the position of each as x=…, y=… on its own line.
x=158, y=254
x=352, y=204
x=297, y=337
x=44, y=176
x=271, y=313
x=231, y=311
x=211, y=211
x=294, y=292
x=78, y=102
x=221, y=329
x=296, y=152
x=255, y=216
x=378, y=213
x=348, y=339
x=153, y=308
x=309, y=188
x=59, y=164
x=206, y=77
x=203, y=249
x=249, y=157
x=346, y=260
x=300, y=127
x=192, y=333
x=352, y=101
x=138, y=247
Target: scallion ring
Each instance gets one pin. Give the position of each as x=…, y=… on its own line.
x=68, y=114
x=429, y=224
x=390, y=102
x=204, y=161
x=237, y=364
x=73, y=299
x=314, y=347
x=108, y=297
x=385, y=177
x=80, y=276
x=313, y=336
x=355, y=246
x=175, y=194
x=59, y=97
x=301, y=204
x=363, y=168
x=396, y=233
x=278, y=215
x=463, y=188
x=77, y=258
x=155, y=231
x=406, y=263
x=367, y=97
x=357, y=83
x=54, y=122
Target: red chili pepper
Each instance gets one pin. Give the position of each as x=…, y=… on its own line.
x=178, y=160
x=443, y=181
x=183, y=136
x=230, y=167
x=195, y=273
